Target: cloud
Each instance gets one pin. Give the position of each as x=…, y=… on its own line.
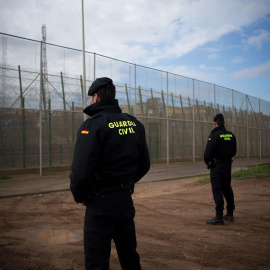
x=260, y=37
x=145, y=32
x=195, y=28
x=238, y=60
x=213, y=56
x=140, y=31
x=202, y=74
x=208, y=68
x=255, y=72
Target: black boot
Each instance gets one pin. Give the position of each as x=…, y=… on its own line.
x=217, y=220
x=229, y=216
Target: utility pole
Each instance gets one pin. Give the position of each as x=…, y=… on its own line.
x=84, y=72
x=4, y=66
x=44, y=65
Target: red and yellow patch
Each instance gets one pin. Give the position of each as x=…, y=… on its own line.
x=209, y=139
x=85, y=132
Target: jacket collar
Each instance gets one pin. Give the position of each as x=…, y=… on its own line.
x=218, y=128
x=111, y=106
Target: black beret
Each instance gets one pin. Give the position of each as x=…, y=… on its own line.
x=98, y=84
x=219, y=116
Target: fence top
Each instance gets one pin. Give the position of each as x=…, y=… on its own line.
x=134, y=64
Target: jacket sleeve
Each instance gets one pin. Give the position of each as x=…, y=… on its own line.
x=210, y=150
x=86, y=155
x=235, y=146
x=144, y=158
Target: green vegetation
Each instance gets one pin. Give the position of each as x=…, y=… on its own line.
x=48, y=173
x=4, y=176
x=203, y=181
x=259, y=171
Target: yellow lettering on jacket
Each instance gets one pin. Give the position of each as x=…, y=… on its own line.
x=121, y=124
x=226, y=137
x=131, y=130
x=126, y=131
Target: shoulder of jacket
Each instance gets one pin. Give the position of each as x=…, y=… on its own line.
x=134, y=118
x=93, y=118
x=220, y=130
x=228, y=131
x=90, y=120
x=214, y=135
x=131, y=116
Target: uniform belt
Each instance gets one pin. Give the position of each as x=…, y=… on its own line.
x=117, y=188
x=224, y=160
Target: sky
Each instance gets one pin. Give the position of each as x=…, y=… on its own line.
x=226, y=43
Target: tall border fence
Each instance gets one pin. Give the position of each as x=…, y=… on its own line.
x=41, y=106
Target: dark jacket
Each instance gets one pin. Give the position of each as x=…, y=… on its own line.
x=221, y=145
x=110, y=146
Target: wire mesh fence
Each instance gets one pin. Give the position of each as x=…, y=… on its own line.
x=40, y=118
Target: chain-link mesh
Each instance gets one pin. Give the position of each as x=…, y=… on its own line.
x=43, y=116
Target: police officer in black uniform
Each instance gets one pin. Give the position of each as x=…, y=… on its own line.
x=220, y=149
x=110, y=156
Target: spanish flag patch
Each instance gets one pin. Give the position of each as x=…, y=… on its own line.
x=209, y=139
x=85, y=132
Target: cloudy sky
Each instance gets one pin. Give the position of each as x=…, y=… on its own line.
x=226, y=43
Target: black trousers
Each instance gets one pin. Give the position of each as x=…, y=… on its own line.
x=110, y=216
x=221, y=186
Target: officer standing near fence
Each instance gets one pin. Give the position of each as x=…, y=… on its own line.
x=110, y=156
x=220, y=149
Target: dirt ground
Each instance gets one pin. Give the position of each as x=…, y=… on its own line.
x=45, y=231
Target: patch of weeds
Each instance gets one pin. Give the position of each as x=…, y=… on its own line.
x=241, y=175
x=4, y=176
x=48, y=173
x=259, y=171
x=203, y=181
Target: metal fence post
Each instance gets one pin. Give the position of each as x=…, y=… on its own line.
x=247, y=127
x=23, y=115
x=135, y=89
x=84, y=72
x=260, y=127
x=72, y=126
x=65, y=107
x=193, y=117
x=233, y=118
x=173, y=129
x=50, y=133
x=24, y=134
x=215, y=104
x=129, y=111
x=63, y=91
x=183, y=127
x=94, y=66
x=167, y=114
x=40, y=113
x=141, y=101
